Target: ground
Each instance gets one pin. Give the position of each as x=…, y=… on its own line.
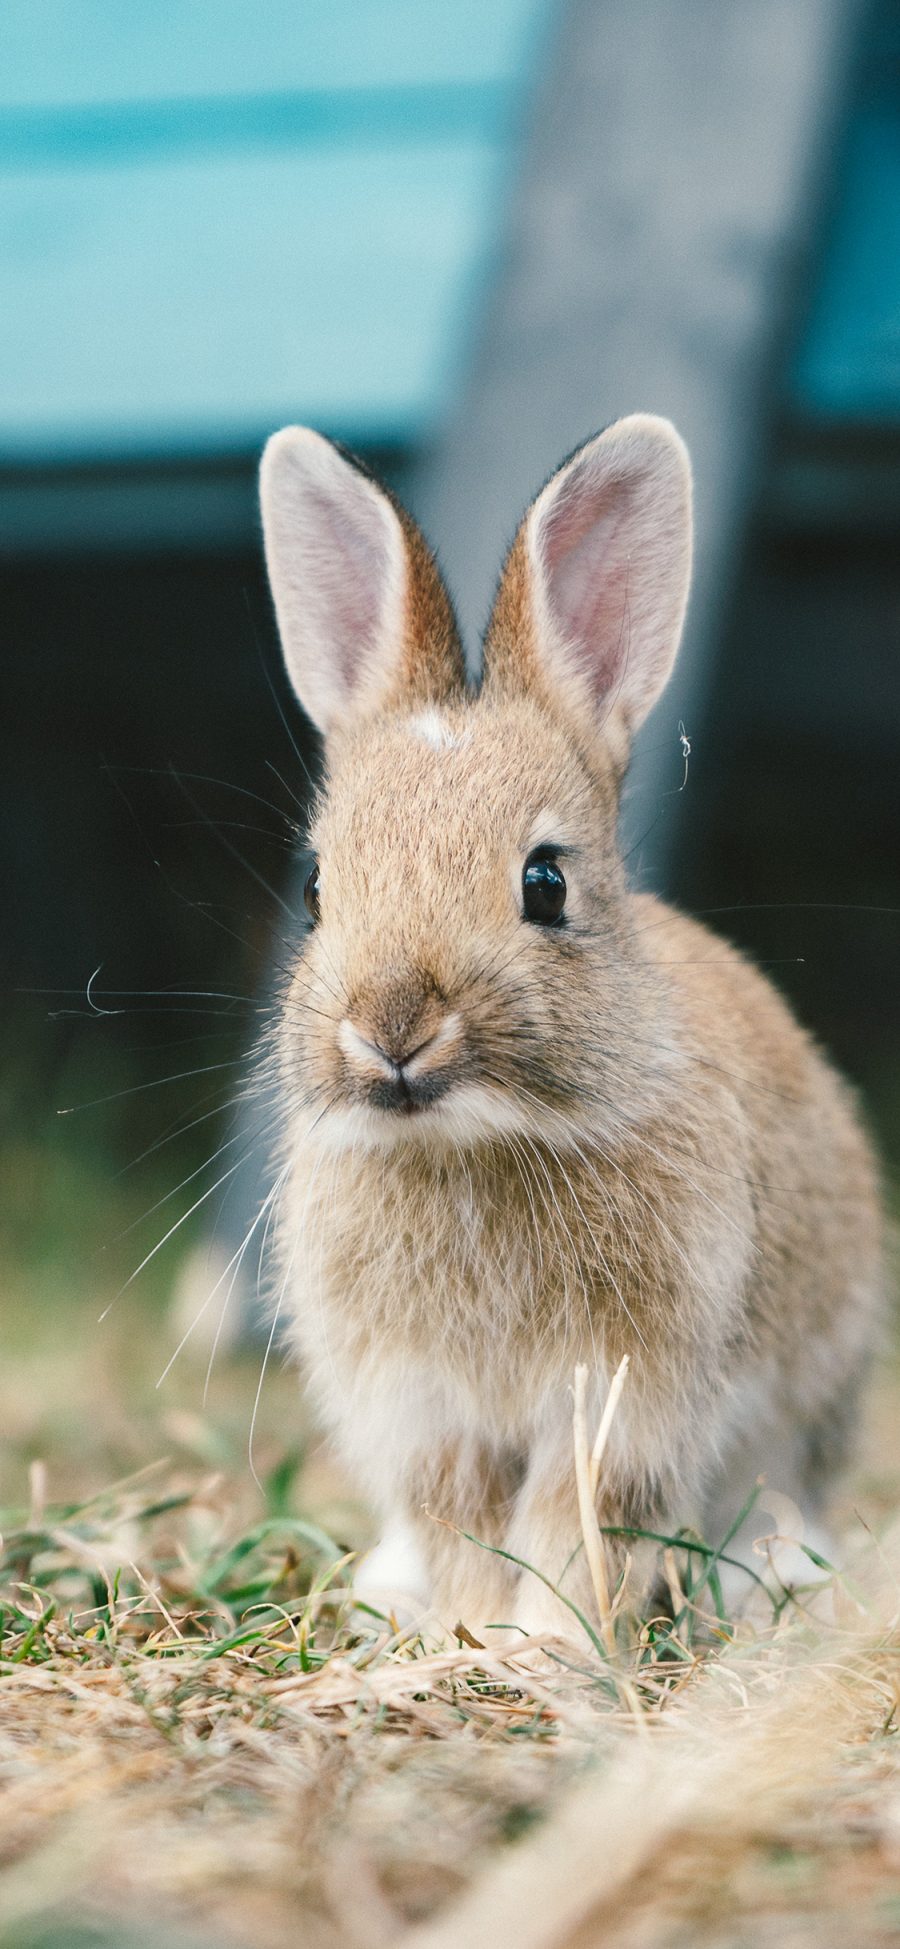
x=201, y=1743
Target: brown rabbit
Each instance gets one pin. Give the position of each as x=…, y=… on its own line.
x=531, y=1118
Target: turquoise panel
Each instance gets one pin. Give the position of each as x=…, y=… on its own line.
x=63, y=52
x=195, y=306
x=217, y=217
x=848, y=365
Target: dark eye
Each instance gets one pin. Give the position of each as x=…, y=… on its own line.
x=543, y=890
x=311, y=893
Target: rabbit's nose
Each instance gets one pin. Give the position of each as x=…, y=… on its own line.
x=402, y=1074
x=398, y=1013
x=387, y=1053
x=366, y=1050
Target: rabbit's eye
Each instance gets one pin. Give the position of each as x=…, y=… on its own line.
x=311, y=893
x=543, y=889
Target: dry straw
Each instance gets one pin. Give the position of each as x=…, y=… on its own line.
x=197, y=1728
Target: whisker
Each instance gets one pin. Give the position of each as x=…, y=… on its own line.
x=277, y=702
x=234, y=851
x=669, y=1162
x=235, y=825
x=155, y=1083
x=199, y=778
x=606, y=1267
x=291, y=1004
x=777, y=907
x=196, y=906
x=170, y=1234
x=565, y=1258
x=190, y=994
x=654, y=822
x=167, y=1195
x=291, y=795
x=616, y=1165
x=177, y=1129
x=235, y=1260
x=189, y=1041
x=725, y=961
x=521, y=1158
x=489, y=970
x=262, y=1372
x=561, y=1253
x=317, y=975
x=221, y=1320
x=85, y=1015
x=279, y=1304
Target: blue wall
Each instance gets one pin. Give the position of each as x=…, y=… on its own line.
x=848, y=364
x=215, y=217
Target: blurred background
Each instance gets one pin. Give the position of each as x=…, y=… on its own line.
x=460, y=238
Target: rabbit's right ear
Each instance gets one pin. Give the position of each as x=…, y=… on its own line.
x=592, y=600
x=364, y=619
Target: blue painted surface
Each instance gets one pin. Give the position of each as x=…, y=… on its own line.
x=216, y=217
x=848, y=365
x=55, y=52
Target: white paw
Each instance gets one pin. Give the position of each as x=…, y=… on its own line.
x=393, y=1578
x=540, y=1613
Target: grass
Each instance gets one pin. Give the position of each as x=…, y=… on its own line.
x=203, y=1742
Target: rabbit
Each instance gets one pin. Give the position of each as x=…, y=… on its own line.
x=531, y=1118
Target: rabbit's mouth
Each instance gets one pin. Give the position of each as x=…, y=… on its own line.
x=402, y=1094
x=408, y=1096
x=458, y=1115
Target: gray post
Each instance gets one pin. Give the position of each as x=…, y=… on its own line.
x=654, y=246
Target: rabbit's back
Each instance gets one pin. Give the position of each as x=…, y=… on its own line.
x=810, y=1186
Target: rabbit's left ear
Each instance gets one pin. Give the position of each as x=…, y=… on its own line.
x=364, y=618
x=592, y=600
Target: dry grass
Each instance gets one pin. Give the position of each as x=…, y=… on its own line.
x=200, y=1743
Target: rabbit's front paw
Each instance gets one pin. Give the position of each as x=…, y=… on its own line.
x=540, y=1613
x=393, y=1578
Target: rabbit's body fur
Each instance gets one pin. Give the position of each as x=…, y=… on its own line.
x=632, y=1148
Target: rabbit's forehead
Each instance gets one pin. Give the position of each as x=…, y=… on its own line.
x=481, y=776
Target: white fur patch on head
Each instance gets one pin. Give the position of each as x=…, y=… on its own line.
x=434, y=730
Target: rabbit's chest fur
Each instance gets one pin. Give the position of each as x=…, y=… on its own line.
x=481, y=1278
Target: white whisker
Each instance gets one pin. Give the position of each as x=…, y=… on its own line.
x=235, y=1261
x=170, y=1234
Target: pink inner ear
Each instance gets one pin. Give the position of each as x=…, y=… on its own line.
x=587, y=564
x=348, y=547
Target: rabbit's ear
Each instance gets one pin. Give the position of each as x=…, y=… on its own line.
x=592, y=600
x=364, y=619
